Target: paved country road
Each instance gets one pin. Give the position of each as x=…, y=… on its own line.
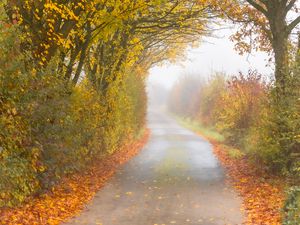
x=174, y=180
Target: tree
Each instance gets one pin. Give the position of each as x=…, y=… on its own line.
x=271, y=22
x=154, y=33
x=104, y=38
x=276, y=12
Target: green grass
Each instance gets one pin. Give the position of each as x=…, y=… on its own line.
x=195, y=126
x=210, y=133
x=235, y=153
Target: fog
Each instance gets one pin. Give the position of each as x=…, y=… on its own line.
x=214, y=54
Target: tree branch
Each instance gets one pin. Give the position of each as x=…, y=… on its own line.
x=258, y=7
x=293, y=24
x=290, y=6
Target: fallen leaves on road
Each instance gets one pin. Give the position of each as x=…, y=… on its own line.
x=263, y=195
x=69, y=197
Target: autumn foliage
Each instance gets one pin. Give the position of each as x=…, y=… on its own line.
x=49, y=130
x=239, y=106
x=245, y=111
x=72, y=82
x=68, y=198
x=72, y=87
x=263, y=194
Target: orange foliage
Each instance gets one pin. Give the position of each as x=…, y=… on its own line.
x=69, y=197
x=263, y=194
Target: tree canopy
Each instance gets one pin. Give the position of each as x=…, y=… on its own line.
x=103, y=37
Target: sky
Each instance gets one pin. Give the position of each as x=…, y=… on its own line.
x=213, y=54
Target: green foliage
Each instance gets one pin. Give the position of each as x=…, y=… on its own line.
x=278, y=129
x=235, y=153
x=125, y=107
x=292, y=207
x=49, y=128
x=74, y=90
x=257, y=117
x=137, y=97
x=18, y=155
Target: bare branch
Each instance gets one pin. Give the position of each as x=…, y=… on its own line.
x=290, y=6
x=293, y=24
x=258, y=7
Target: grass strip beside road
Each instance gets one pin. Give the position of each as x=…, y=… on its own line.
x=263, y=195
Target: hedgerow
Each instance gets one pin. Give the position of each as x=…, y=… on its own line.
x=49, y=129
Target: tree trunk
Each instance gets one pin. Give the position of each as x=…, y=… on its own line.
x=280, y=45
x=280, y=34
x=298, y=51
x=82, y=58
x=73, y=56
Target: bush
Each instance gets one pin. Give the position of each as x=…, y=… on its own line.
x=278, y=143
x=210, y=99
x=19, y=156
x=239, y=106
x=45, y=132
x=125, y=106
x=292, y=207
x=49, y=129
x=252, y=115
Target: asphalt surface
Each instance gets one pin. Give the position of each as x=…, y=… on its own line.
x=175, y=179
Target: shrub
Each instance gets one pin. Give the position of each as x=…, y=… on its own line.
x=49, y=129
x=278, y=143
x=292, y=207
x=239, y=106
x=252, y=115
x=209, y=99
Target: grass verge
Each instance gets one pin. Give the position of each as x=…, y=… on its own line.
x=262, y=193
x=197, y=127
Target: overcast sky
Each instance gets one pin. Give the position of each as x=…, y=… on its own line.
x=214, y=54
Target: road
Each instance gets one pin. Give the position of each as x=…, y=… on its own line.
x=175, y=179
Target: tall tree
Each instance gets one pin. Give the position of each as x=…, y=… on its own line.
x=276, y=12
x=270, y=22
x=154, y=33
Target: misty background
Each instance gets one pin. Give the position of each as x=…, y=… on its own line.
x=214, y=54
